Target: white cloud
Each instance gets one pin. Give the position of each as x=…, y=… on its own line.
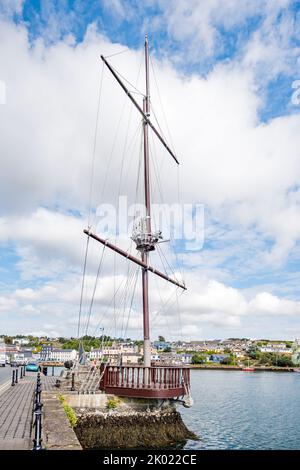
x=197, y=24
x=241, y=169
x=266, y=303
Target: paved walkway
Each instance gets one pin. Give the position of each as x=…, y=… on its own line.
x=16, y=407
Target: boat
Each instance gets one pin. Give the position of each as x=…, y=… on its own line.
x=144, y=380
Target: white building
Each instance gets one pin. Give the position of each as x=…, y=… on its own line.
x=275, y=348
x=21, y=341
x=61, y=355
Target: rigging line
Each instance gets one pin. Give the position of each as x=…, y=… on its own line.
x=117, y=202
x=109, y=305
x=123, y=295
x=161, y=104
x=169, y=327
x=116, y=53
x=160, y=251
x=131, y=303
x=154, y=161
x=162, y=262
x=179, y=258
x=125, y=143
x=172, y=269
x=164, y=306
x=132, y=146
x=113, y=148
x=129, y=83
x=94, y=291
x=95, y=145
x=157, y=122
x=137, y=187
x=128, y=275
x=127, y=289
x=82, y=287
x=111, y=317
x=161, y=299
x=123, y=301
x=115, y=318
x=179, y=315
x=156, y=172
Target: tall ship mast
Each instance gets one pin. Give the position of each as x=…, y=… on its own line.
x=146, y=380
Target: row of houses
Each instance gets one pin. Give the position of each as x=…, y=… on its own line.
x=49, y=353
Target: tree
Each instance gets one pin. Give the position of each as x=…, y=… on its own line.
x=198, y=358
x=253, y=352
x=229, y=360
x=283, y=361
x=161, y=339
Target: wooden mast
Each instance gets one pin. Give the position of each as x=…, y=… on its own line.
x=145, y=254
x=145, y=240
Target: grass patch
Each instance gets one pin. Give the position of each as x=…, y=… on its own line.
x=71, y=415
x=112, y=403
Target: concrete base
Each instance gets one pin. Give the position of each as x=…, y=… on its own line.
x=57, y=431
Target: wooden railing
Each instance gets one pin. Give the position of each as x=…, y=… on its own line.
x=148, y=382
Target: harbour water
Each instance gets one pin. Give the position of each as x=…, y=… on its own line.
x=238, y=410
x=244, y=410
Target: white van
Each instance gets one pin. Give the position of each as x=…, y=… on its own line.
x=2, y=359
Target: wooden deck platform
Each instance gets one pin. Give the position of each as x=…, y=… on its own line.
x=146, y=382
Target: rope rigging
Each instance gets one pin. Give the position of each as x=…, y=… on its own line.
x=124, y=292
x=94, y=291
x=82, y=285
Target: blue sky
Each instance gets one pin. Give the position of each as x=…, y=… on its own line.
x=230, y=68
x=122, y=23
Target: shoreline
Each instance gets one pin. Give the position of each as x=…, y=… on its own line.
x=239, y=368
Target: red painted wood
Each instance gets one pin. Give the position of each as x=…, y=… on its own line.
x=157, y=382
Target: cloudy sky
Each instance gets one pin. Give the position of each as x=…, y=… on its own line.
x=227, y=76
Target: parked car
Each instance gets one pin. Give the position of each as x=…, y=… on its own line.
x=17, y=360
x=32, y=367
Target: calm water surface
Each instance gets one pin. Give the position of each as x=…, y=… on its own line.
x=244, y=410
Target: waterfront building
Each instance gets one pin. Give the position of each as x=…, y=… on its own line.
x=62, y=355
x=26, y=353
x=218, y=358
x=46, y=352
x=49, y=353
x=131, y=358
x=161, y=345
x=186, y=358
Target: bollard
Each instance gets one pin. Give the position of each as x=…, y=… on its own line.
x=16, y=376
x=21, y=373
x=13, y=378
x=24, y=370
x=73, y=382
x=37, y=441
